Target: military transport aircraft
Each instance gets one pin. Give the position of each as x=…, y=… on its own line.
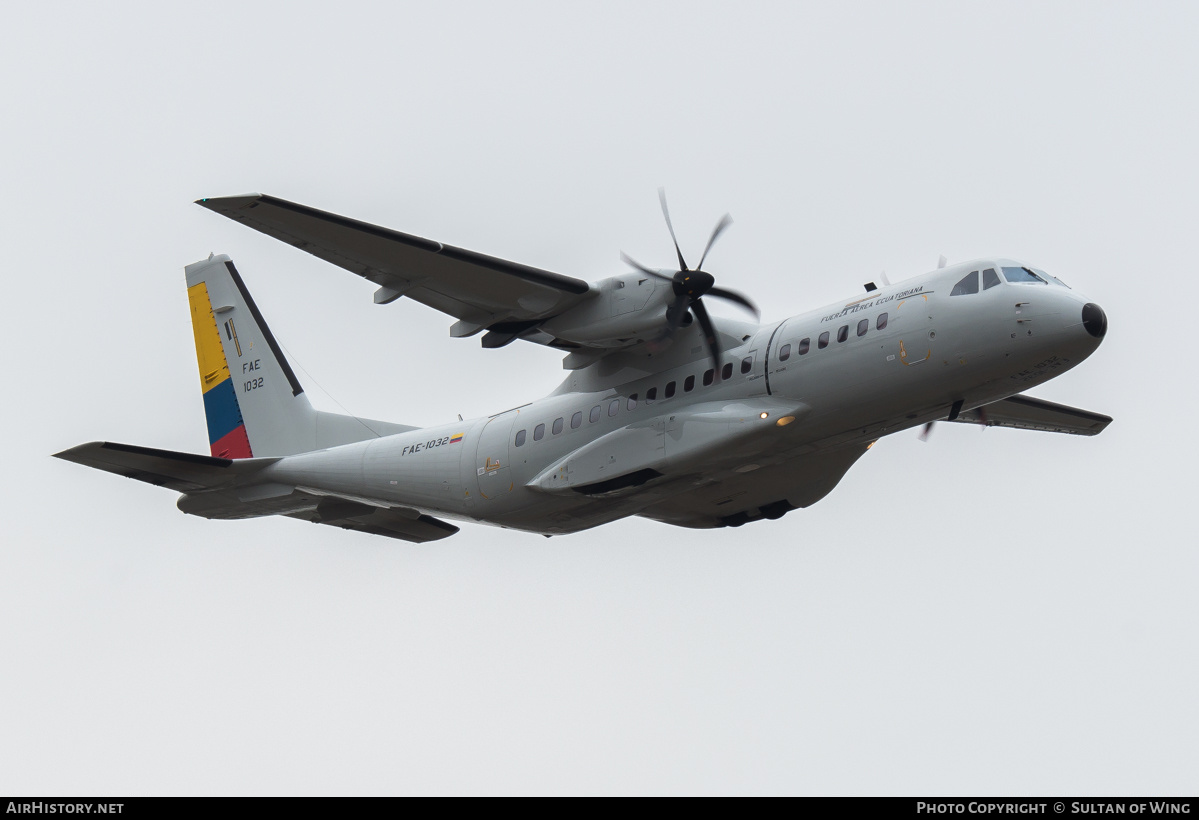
x=666, y=412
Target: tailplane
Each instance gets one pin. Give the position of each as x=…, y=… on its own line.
x=227, y=489
x=253, y=402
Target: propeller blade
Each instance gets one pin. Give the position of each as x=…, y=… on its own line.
x=724, y=222
x=705, y=322
x=734, y=296
x=669, y=227
x=928, y=428
x=628, y=260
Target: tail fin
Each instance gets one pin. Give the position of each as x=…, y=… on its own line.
x=253, y=401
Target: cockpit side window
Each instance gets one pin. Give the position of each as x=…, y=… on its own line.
x=990, y=278
x=968, y=284
x=1050, y=277
x=1022, y=276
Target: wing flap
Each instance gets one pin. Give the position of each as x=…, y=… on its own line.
x=456, y=281
x=1026, y=413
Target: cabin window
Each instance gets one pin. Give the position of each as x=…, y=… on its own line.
x=557, y=426
x=968, y=284
x=520, y=438
x=881, y=322
x=990, y=278
x=576, y=420
x=613, y=407
x=806, y=344
x=539, y=432
x=747, y=364
x=823, y=342
x=784, y=353
x=842, y=333
x=632, y=404
x=709, y=376
x=651, y=395
x=670, y=390
x=594, y=415
x=863, y=326
x=688, y=384
x=726, y=372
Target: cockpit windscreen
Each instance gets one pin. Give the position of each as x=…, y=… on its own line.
x=1030, y=276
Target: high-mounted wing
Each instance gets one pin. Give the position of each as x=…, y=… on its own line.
x=1027, y=413
x=481, y=291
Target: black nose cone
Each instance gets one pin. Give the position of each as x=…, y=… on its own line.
x=1094, y=320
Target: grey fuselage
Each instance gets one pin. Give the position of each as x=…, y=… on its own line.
x=641, y=451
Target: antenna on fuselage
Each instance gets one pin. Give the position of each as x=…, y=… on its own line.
x=942, y=262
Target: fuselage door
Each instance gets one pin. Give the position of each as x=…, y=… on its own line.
x=912, y=322
x=491, y=457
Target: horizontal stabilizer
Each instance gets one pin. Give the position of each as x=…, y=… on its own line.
x=228, y=489
x=1027, y=413
x=390, y=524
x=184, y=472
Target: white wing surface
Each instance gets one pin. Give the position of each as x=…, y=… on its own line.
x=1027, y=413
x=483, y=292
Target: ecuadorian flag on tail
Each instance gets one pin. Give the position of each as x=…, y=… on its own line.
x=226, y=428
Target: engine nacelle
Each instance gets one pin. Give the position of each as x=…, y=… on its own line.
x=624, y=310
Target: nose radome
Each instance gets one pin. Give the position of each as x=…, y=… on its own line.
x=1094, y=320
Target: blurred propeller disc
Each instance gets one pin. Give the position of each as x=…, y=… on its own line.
x=690, y=286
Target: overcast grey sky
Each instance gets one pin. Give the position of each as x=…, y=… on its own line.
x=993, y=611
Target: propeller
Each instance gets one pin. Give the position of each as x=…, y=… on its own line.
x=690, y=286
x=955, y=410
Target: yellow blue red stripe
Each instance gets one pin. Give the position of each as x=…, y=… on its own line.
x=226, y=429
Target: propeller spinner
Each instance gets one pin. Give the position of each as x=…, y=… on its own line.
x=690, y=286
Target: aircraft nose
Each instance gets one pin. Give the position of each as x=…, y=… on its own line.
x=1094, y=320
